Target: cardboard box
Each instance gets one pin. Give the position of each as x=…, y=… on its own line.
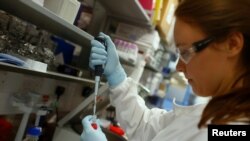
x=167, y=17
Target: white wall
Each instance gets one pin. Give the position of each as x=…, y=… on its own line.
x=11, y=83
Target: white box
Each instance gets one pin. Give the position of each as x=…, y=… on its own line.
x=39, y=2
x=35, y=65
x=66, y=9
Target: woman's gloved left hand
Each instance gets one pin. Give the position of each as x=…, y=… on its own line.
x=113, y=69
x=89, y=133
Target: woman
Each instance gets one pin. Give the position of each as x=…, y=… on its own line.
x=213, y=40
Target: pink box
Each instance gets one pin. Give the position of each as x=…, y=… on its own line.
x=147, y=4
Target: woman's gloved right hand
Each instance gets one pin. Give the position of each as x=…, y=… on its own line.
x=113, y=70
x=89, y=132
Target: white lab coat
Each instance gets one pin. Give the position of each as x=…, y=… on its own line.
x=143, y=124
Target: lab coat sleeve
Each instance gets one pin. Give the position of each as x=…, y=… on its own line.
x=139, y=122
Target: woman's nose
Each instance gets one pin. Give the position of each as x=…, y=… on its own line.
x=180, y=67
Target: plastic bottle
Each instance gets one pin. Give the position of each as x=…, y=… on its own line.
x=33, y=134
x=155, y=83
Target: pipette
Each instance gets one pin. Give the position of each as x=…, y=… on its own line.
x=98, y=72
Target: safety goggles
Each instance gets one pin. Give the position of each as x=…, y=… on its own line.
x=186, y=54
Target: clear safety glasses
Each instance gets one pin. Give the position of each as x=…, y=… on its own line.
x=186, y=54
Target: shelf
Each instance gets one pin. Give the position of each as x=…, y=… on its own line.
x=148, y=67
x=128, y=9
x=45, y=19
x=50, y=75
x=126, y=62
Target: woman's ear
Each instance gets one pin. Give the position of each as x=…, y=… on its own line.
x=235, y=43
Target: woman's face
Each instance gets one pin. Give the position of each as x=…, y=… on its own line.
x=207, y=70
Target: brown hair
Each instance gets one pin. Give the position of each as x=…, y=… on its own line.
x=220, y=18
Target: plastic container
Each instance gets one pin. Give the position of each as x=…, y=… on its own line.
x=126, y=50
x=33, y=134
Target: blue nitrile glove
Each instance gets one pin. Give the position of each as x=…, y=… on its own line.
x=113, y=70
x=89, y=133
x=11, y=60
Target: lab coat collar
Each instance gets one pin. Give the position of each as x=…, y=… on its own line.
x=192, y=110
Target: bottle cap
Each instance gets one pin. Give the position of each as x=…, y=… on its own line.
x=94, y=125
x=116, y=129
x=34, y=131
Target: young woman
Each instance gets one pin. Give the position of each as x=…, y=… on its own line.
x=213, y=42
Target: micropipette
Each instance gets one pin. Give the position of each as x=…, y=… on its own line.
x=98, y=72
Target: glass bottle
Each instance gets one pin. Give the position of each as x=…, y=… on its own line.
x=33, y=134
